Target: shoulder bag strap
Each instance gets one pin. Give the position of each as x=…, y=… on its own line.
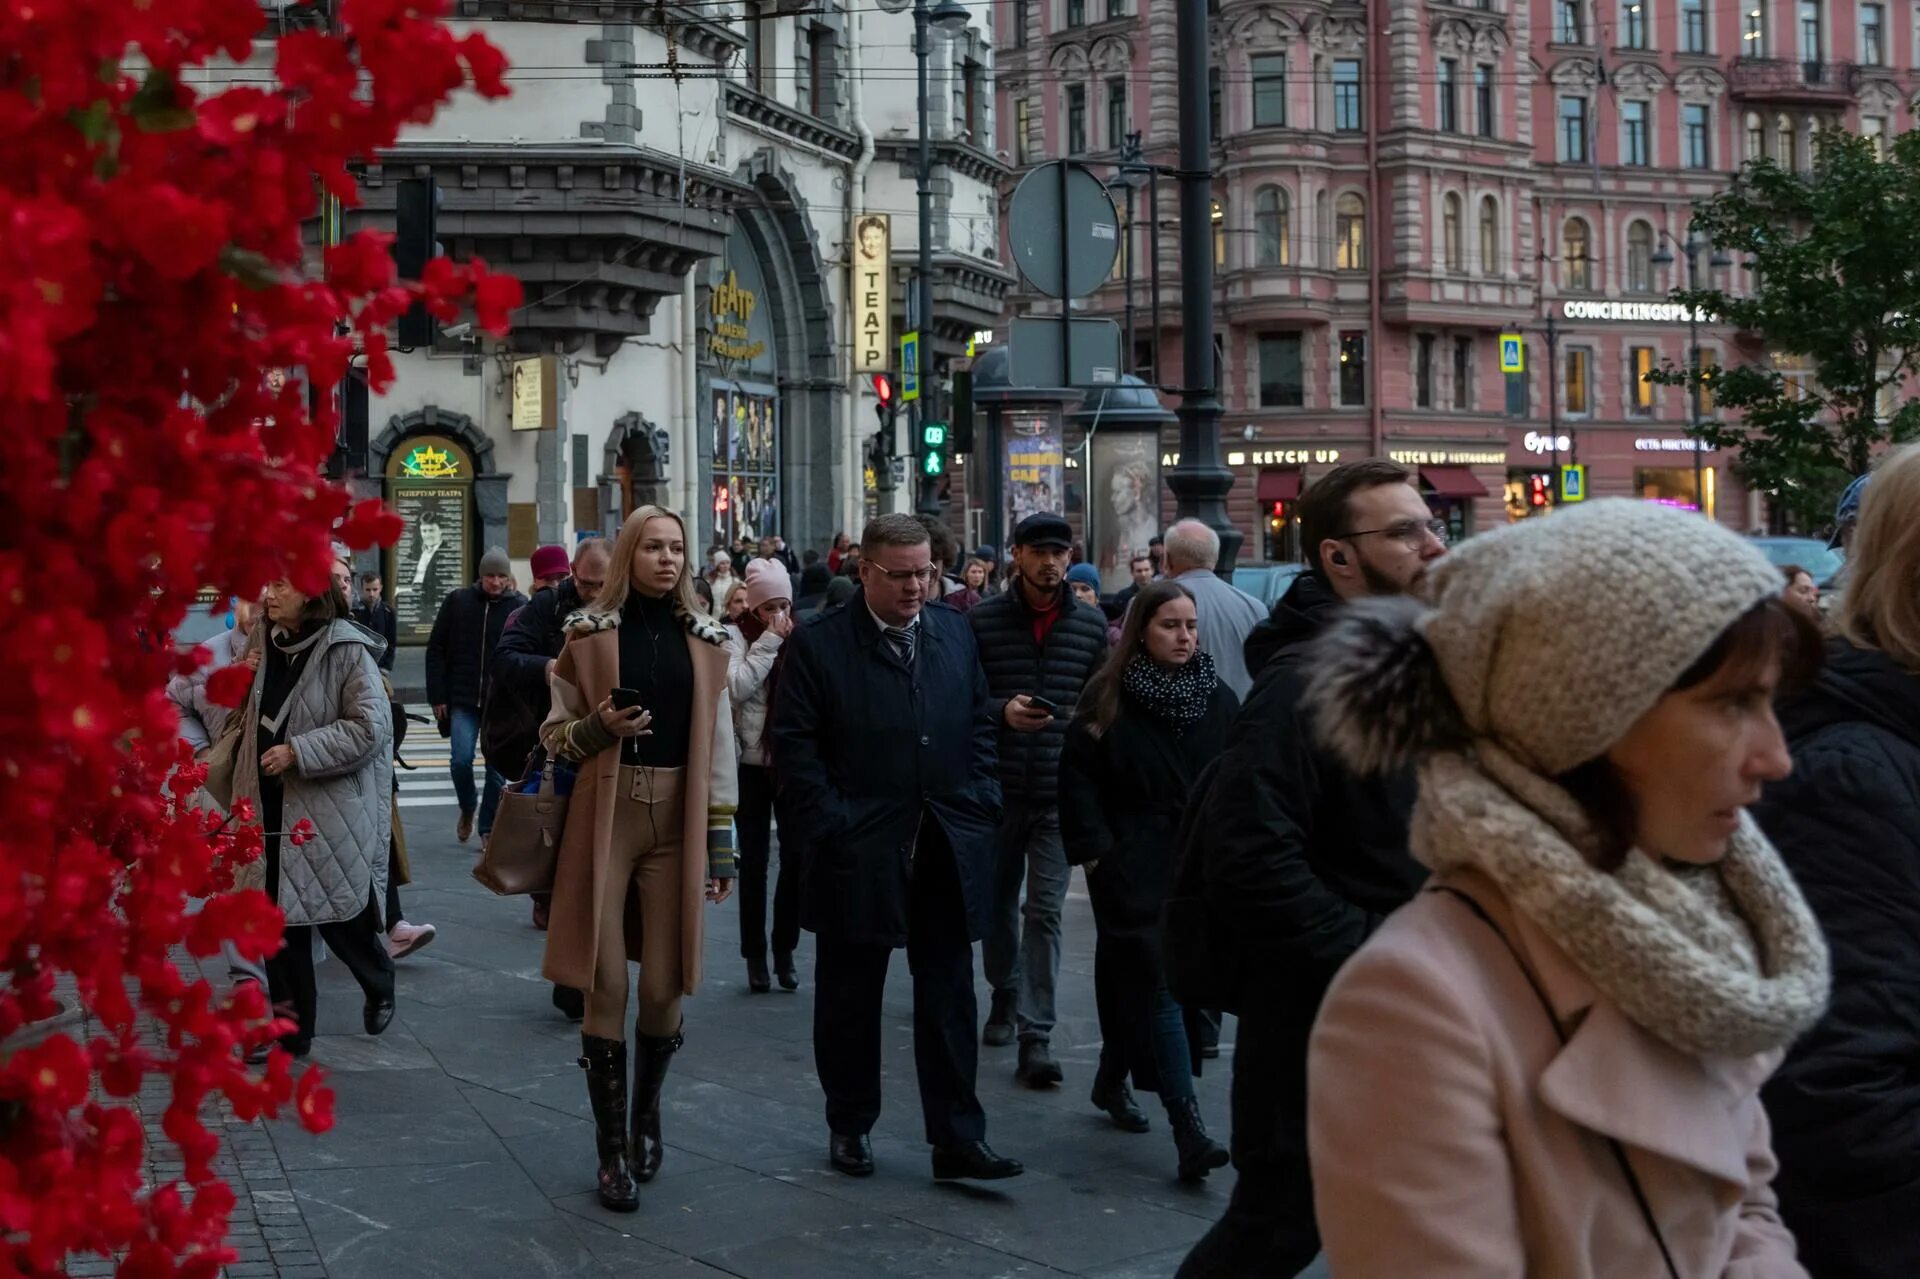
x=1619, y=1152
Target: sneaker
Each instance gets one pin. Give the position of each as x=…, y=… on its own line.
x=464, y=831
x=404, y=938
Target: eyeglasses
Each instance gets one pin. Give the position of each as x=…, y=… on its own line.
x=924, y=576
x=1411, y=533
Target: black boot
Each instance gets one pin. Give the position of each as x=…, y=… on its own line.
x=649, y=1074
x=1199, y=1153
x=783, y=969
x=758, y=982
x=605, y=1061
x=1111, y=1094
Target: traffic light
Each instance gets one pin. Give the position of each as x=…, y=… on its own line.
x=1539, y=490
x=886, y=404
x=933, y=449
x=880, y=460
x=416, y=242
x=1277, y=516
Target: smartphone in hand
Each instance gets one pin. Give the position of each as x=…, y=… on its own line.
x=625, y=699
x=1046, y=704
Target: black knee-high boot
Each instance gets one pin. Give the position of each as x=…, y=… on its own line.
x=649, y=1075
x=605, y=1061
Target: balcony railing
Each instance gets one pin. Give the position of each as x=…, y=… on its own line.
x=1791, y=80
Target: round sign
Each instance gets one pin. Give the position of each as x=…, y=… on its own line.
x=894, y=6
x=1069, y=258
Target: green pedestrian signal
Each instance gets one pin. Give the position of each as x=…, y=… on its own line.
x=933, y=448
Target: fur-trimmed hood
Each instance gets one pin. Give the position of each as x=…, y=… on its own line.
x=585, y=621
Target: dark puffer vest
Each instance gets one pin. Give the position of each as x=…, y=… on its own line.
x=1075, y=647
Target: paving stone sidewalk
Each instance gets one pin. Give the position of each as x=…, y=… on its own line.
x=462, y=1145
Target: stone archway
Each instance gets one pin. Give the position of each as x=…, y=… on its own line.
x=489, y=485
x=634, y=470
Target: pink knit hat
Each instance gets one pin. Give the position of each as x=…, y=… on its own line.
x=767, y=580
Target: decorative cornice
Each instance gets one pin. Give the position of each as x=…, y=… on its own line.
x=758, y=109
x=966, y=160
x=695, y=32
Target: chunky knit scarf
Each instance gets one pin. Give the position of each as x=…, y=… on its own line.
x=1179, y=695
x=1717, y=960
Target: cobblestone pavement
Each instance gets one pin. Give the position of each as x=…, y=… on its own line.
x=462, y=1145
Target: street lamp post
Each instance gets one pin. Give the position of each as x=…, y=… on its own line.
x=1663, y=257
x=950, y=17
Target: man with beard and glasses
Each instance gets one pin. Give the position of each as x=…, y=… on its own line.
x=1298, y=859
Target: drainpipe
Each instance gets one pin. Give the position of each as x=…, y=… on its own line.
x=854, y=493
x=687, y=447
x=1375, y=69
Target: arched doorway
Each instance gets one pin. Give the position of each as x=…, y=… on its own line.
x=633, y=472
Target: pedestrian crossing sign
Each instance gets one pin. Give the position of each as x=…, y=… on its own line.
x=1573, y=483
x=1513, y=353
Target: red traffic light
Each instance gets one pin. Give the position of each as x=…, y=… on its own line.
x=1279, y=510
x=883, y=389
x=1538, y=493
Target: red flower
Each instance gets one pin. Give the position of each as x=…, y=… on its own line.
x=486, y=65
x=370, y=523
x=229, y=685
x=314, y=1100
x=302, y=832
x=495, y=299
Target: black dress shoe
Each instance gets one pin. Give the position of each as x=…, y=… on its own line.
x=571, y=1003
x=851, y=1153
x=783, y=971
x=377, y=1015
x=972, y=1161
x=757, y=980
x=1114, y=1097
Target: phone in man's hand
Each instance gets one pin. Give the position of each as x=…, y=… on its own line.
x=1040, y=703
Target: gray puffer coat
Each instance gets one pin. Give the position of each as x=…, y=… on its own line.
x=340, y=726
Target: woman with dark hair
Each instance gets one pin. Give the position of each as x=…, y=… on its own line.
x=1802, y=591
x=1549, y=1062
x=316, y=748
x=640, y=704
x=1845, y=1107
x=1150, y=719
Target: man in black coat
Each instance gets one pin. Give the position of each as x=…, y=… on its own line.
x=377, y=616
x=459, y=659
x=1845, y=1105
x=1036, y=640
x=1302, y=860
x=883, y=756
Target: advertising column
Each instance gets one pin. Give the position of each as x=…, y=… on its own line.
x=1035, y=463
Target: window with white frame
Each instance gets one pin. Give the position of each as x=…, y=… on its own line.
x=1639, y=257
x=1633, y=24
x=1489, y=235
x=1693, y=26
x=1448, y=90
x=1577, y=390
x=1269, y=89
x=1873, y=35
x=1756, y=134
x=1753, y=28
x=1451, y=232
x=1271, y=232
x=1573, y=130
x=1576, y=255
x=1696, y=136
x=1634, y=133
x=1350, y=233
x=1484, y=122
x=1570, y=21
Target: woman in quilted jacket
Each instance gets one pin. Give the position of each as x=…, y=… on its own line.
x=320, y=729
x=640, y=703
x=755, y=647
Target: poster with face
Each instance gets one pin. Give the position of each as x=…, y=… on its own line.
x=1035, y=466
x=1123, y=501
x=430, y=560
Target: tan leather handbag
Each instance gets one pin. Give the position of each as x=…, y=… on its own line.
x=525, y=842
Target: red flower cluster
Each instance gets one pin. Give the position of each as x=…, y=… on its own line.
x=152, y=273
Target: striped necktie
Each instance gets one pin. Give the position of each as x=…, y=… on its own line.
x=901, y=638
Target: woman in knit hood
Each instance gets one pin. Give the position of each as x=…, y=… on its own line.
x=1548, y=1063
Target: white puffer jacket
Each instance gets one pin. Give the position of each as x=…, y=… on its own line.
x=748, y=668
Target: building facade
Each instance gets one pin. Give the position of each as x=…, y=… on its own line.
x=682, y=191
x=1399, y=183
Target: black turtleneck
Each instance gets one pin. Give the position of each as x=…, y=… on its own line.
x=655, y=662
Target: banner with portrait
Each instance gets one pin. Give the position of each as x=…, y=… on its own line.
x=430, y=487
x=1035, y=467
x=1123, y=502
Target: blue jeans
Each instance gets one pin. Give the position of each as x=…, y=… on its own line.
x=466, y=735
x=1171, y=1056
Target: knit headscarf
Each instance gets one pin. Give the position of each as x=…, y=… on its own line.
x=1535, y=649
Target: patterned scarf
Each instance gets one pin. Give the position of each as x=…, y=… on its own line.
x=1179, y=695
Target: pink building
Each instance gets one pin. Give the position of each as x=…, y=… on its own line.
x=1397, y=184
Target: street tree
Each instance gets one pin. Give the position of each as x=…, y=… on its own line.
x=1837, y=293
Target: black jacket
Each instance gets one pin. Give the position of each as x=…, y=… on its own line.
x=379, y=619
x=1122, y=796
x=1075, y=647
x=517, y=694
x=460, y=649
x=1302, y=859
x=1845, y=1107
x=864, y=748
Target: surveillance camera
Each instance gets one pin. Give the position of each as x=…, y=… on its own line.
x=457, y=331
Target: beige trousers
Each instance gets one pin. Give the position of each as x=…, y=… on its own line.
x=646, y=853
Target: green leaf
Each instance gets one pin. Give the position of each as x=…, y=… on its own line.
x=156, y=107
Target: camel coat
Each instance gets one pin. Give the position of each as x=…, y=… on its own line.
x=1455, y=1137
x=587, y=671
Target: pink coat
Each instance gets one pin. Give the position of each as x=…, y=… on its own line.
x=1455, y=1137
